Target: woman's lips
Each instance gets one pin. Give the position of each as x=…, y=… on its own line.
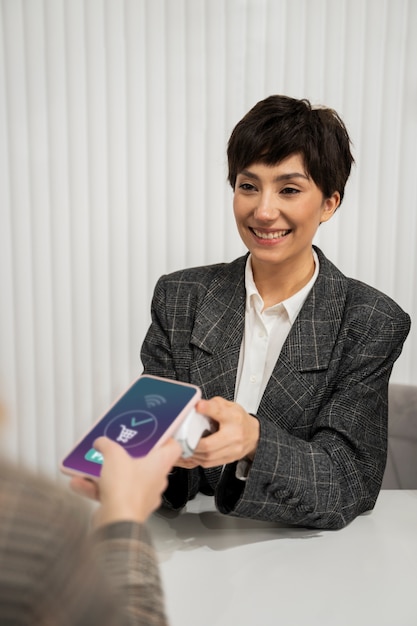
x=272, y=234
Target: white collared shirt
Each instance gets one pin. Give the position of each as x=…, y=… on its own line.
x=265, y=333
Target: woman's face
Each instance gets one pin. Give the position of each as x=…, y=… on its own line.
x=278, y=210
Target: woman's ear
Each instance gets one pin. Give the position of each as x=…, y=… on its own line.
x=330, y=206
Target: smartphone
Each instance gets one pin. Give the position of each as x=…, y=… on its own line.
x=149, y=412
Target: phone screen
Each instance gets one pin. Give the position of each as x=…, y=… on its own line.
x=136, y=421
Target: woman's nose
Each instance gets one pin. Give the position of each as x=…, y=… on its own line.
x=267, y=207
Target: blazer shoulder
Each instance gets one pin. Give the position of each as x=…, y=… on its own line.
x=362, y=293
x=203, y=277
x=365, y=300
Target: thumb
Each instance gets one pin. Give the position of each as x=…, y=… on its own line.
x=105, y=446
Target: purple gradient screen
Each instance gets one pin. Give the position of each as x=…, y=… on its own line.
x=136, y=421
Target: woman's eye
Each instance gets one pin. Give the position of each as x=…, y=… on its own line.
x=290, y=190
x=246, y=187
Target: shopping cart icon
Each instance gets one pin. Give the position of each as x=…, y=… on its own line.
x=126, y=434
x=132, y=428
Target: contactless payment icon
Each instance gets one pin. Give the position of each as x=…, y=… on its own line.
x=132, y=428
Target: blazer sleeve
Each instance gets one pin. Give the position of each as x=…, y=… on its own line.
x=332, y=473
x=157, y=358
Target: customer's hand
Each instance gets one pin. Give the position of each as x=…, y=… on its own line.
x=236, y=438
x=128, y=488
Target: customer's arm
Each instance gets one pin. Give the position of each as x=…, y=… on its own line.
x=49, y=573
x=125, y=552
x=128, y=491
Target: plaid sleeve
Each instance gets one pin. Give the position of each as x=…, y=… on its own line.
x=125, y=552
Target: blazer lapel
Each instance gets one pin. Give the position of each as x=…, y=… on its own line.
x=218, y=331
x=308, y=347
x=310, y=343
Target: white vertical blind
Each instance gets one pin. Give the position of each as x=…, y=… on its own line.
x=114, y=121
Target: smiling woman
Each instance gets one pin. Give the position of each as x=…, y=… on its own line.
x=293, y=358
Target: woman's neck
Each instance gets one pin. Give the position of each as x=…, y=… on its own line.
x=279, y=282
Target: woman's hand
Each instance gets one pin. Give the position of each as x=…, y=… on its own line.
x=236, y=438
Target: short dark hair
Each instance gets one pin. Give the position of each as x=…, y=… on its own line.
x=280, y=126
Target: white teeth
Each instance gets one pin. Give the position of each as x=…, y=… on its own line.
x=276, y=235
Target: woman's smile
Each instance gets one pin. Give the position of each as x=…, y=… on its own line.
x=270, y=235
x=278, y=209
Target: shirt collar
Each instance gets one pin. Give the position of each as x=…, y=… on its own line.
x=293, y=304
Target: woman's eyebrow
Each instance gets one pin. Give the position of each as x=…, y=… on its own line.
x=277, y=179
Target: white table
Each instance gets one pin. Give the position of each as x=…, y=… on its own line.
x=222, y=571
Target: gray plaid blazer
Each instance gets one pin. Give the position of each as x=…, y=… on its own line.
x=323, y=416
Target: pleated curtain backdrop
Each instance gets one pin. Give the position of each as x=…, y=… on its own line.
x=114, y=120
